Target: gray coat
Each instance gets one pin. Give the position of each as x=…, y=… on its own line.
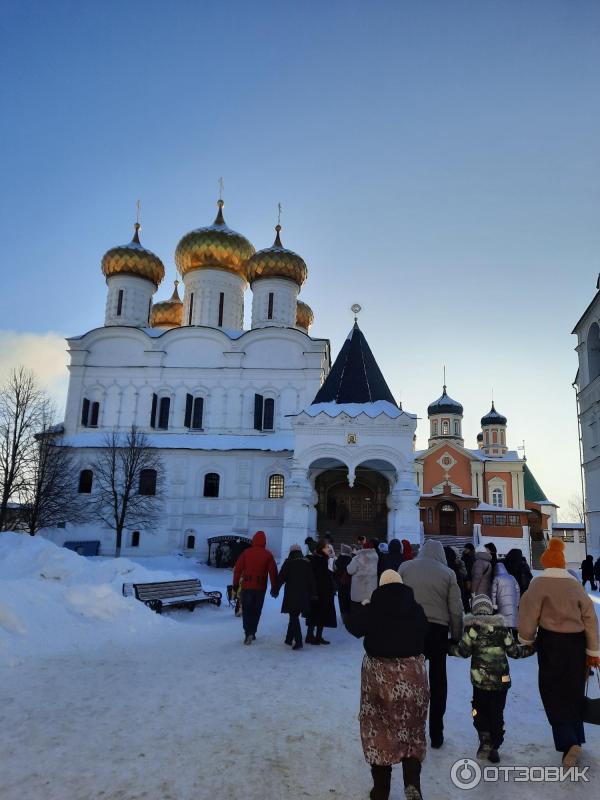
x=481, y=574
x=434, y=586
x=506, y=595
x=363, y=569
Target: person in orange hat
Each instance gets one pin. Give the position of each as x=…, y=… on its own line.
x=557, y=614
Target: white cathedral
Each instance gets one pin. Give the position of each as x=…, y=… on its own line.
x=255, y=427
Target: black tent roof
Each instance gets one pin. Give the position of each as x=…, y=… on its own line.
x=355, y=376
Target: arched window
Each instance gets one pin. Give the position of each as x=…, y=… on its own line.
x=445, y=427
x=276, y=487
x=494, y=437
x=211, y=484
x=135, y=538
x=465, y=516
x=498, y=498
x=593, y=351
x=148, y=482
x=194, y=411
x=264, y=412
x=502, y=438
x=190, y=542
x=90, y=411
x=456, y=427
x=430, y=516
x=434, y=427
x=86, y=478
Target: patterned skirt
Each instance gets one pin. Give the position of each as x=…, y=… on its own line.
x=394, y=700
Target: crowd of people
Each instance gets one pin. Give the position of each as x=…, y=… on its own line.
x=414, y=612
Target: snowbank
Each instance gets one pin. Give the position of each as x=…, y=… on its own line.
x=53, y=600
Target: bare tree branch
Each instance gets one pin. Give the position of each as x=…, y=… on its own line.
x=118, y=479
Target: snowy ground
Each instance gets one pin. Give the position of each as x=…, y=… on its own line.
x=103, y=699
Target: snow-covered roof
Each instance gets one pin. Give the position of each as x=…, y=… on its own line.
x=454, y=494
x=276, y=442
x=355, y=409
x=489, y=507
x=510, y=455
x=568, y=526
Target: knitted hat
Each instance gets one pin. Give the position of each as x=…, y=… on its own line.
x=389, y=576
x=295, y=548
x=554, y=554
x=481, y=604
x=383, y=548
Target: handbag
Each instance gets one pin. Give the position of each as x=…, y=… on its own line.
x=591, y=706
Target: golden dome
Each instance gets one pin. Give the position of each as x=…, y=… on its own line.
x=277, y=262
x=304, y=315
x=168, y=313
x=214, y=247
x=133, y=259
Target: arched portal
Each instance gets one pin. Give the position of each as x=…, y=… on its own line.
x=345, y=511
x=448, y=517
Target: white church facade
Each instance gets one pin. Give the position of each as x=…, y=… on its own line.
x=255, y=428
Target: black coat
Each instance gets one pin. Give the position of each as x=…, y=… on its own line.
x=393, y=623
x=562, y=674
x=597, y=569
x=298, y=578
x=393, y=558
x=517, y=566
x=587, y=569
x=322, y=610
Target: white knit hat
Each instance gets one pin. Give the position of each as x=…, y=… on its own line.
x=389, y=576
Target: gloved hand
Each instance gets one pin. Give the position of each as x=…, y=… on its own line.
x=274, y=593
x=593, y=661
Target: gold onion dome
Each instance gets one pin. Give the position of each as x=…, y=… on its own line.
x=133, y=259
x=168, y=313
x=277, y=262
x=214, y=247
x=304, y=315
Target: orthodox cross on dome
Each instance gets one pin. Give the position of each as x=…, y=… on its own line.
x=521, y=448
x=444, y=384
x=138, y=214
x=279, y=214
x=221, y=187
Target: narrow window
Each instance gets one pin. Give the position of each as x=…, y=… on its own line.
x=258, y=411
x=135, y=538
x=94, y=415
x=502, y=439
x=120, y=303
x=85, y=411
x=221, y=304
x=86, y=477
x=268, y=414
x=465, y=516
x=494, y=437
x=189, y=401
x=197, y=413
x=149, y=308
x=190, y=542
x=270, y=310
x=147, y=482
x=434, y=427
x=276, y=487
x=211, y=484
x=163, y=413
x=191, y=311
x=430, y=516
x=445, y=427
x=456, y=427
x=153, y=411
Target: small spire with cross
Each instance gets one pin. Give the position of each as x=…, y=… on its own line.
x=444, y=377
x=221, y=188
x=138, y=224
x=356, y=309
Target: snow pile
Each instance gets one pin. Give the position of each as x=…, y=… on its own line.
x=53, y=600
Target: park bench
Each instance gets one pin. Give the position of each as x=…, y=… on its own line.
x=171, y=594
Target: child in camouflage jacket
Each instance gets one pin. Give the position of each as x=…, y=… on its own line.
x=488, y=640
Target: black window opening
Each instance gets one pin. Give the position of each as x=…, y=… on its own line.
x=276, y=487
x=194, y=412
x=153, y=411
x=95, y=413
x=221, y=307
x=135, y=538
x=86, y=478
x=147, y=482
x=270, y=308
x=149, y=309
x=120, y=303
x=85, y=412
x=211, y=484
x=264, y=413
x=191, y=309
x=190, y=542
x=465, y=516
x=163, y=413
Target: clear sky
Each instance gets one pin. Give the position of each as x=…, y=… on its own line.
x=437, y=162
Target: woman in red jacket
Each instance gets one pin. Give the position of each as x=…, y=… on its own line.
x=253, y=567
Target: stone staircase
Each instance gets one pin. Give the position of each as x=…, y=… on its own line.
x=452, y=541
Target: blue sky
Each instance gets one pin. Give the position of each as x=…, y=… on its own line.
x=437, y=162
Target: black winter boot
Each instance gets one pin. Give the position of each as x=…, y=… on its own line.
x=485, y=745
x=494, y=756
x=382, y=779
x=411, y=773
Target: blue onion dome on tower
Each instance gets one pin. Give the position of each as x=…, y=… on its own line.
x=444, y=405
x=133, y=259
x=493, y=417
x=277, y=262
x=214, y=247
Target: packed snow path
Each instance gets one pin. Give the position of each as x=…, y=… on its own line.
x=186, y=712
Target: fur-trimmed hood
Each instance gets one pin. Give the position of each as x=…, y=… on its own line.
x=495, y=620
